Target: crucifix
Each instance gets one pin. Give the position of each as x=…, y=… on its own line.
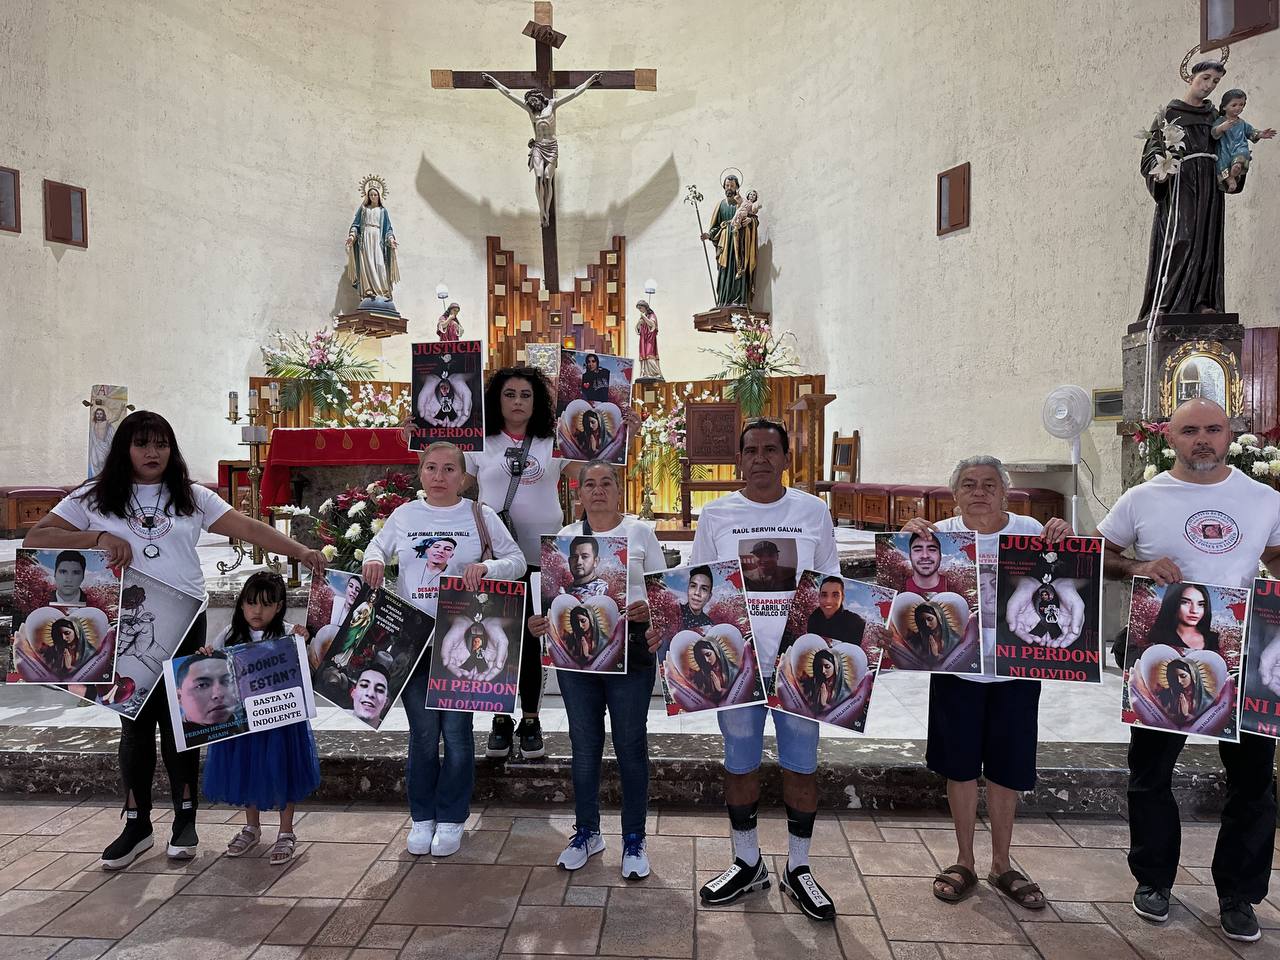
x=541, y=102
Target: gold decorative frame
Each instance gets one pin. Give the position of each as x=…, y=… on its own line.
x=1215, y=351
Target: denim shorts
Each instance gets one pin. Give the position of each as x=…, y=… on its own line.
x=743, y=730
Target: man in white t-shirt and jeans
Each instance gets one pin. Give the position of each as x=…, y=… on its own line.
x=727, y=528
x=1164, y=522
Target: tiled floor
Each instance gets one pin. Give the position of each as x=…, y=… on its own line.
x=354, y=893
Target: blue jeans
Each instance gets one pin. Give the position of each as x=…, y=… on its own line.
x=586, y=695
x=743, y=729
x=438, y=790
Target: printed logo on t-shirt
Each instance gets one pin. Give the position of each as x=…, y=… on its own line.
x=533, y=468
x=1212, y=531
x=150, y=523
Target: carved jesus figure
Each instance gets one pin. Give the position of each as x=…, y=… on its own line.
x=544, y=150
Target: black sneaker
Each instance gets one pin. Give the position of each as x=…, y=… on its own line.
x=1238, y=919
x=530, y=734
x=1151, y=903
x=183, y=842
x=133, y=841
x=500, y=737
x=806, y=892
x=739, y=880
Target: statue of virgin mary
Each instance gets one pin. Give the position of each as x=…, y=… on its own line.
x=371, y=248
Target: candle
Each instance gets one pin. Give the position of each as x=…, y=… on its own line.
x=275, y=393
x=233, y=401
x=253, y=399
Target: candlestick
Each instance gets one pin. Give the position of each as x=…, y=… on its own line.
x=233, y=401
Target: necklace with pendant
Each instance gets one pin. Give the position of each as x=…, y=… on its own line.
x=148, y=522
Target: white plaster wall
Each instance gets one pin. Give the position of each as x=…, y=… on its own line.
x=221, y=145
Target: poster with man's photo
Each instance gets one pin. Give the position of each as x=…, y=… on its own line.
x=221, y=694
x=364, y=668
x=831, y=650
x=108, y=406
x=475, y=658
x=448, y=394
x=935, y=620
x=1049, y=609
x=153, y=621
x=707, y=657
x=593, y=390
x=584, y=594
x=1183, y=657
x=1260, y=711
x=331, y=597
x=65, y=603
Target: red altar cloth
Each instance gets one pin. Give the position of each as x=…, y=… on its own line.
x=315, y=446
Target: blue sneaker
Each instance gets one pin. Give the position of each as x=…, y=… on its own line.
x=583, y=845
x=635, y=862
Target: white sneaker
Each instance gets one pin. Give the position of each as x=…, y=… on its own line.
x=447, y=840
x=583, y=845
x=420, y=835
x=635, y=861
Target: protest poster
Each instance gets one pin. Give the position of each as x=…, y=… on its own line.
x=364, y=668
x=1182, y=658
x=328, y=601
x=1260, y=711
x=448, y=394
x=1049, y=609
x=592, y=391
x=707, y=657
x=584, y=591
x=935, y=619
x=65, y=603
x=241, y=689
x=153, y=621
x=830, y=650
x=108, y=406
x=475, y=657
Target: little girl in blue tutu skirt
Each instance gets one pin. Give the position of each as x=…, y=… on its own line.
x=271, y=769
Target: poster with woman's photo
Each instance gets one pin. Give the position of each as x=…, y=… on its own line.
x=222, y=694
x=331, y=597
x=448, y=394
x=1049, y=609
x=365, y=666
x=831, y=650
x=108, y=405
x=584, y=591
x=1183, y=657
x=935, y=620
x=592, y=391
x=65, y=603
x=153, y=621
x=475, y=658
x=707, y=657
x=1260, y=711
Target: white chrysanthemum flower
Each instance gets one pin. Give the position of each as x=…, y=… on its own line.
x=1149, y=472
x=1235, y=449
x=1247, y=440
x=357, y=508
x=422, y=494
x=328, y=551
x=377, y=525
x=353, y=531
x=1270, y=452
x=1274, y=468
x=360, y=555
x=375, y=487
x=1169, y=454
x=1261, y=469
x=326, y=506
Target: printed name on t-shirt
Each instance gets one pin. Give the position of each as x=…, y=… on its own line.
x=771, y=528
x=440, y=533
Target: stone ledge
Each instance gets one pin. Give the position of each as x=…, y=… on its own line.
x=685, y=769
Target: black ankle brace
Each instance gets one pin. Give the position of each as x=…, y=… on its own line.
x=742, y=816
x=799, y=823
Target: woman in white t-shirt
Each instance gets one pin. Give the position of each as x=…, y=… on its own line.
x=424, y=534
x=586, y=695
x=984, y=726
x=145, y=512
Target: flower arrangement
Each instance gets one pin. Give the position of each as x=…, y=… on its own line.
x=1251, y=454
x=1168, y=139
x=378, y=408
x=662, y=439
x=346, y=523
x=314, y=366
x=754, y=355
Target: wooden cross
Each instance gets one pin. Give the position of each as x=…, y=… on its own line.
x=543, y=77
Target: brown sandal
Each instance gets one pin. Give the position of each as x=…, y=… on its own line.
x=1023, y=894
x=282, y=849
x=959, y=891
x=244, y=841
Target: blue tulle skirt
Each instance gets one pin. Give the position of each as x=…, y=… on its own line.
x=268, y=770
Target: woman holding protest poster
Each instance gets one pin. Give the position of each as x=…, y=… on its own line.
x=145, y=512
x=439, y=790
x=984, y=725
x=625, y=696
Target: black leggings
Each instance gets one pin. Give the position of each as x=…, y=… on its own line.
x=531, y=681
x=138, y=742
